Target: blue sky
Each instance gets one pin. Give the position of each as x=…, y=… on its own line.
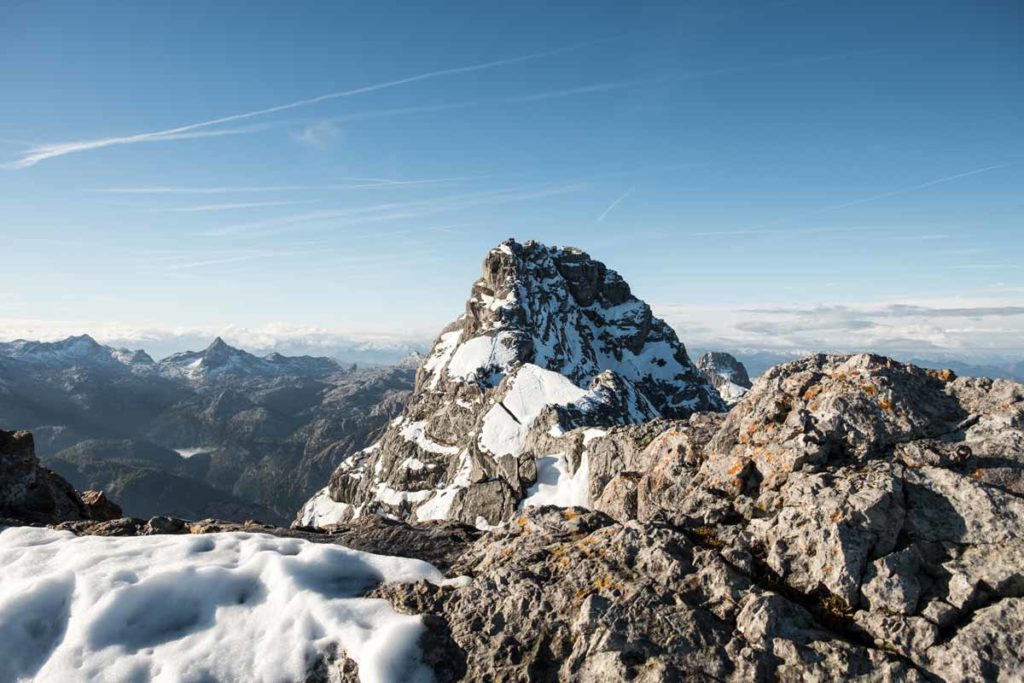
x=790, y=174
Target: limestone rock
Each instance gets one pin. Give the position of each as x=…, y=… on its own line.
x=30, y=492
x=99, y=507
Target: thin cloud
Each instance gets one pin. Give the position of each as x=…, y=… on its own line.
x=49, y=151
x=222, y=207
x=389, y=212
x=317, y=135
x=157, y=189
x=764, y=228
x=42, y=152
x=622, y=197
x=359, y=184
x=190, y=265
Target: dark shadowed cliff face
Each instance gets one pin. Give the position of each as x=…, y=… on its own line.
x=30, y=493
x=550, y=340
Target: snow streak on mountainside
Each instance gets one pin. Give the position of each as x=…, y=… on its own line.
x=550, y=340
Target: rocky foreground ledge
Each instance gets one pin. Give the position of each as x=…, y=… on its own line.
x=851, y=518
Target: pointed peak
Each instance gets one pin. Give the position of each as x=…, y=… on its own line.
x=218, y=344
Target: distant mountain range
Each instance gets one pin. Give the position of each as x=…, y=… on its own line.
x=217, y=432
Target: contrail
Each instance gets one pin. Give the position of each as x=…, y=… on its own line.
x=42, y=152
x=604, y=214
x=764, y=228
x=912, y=188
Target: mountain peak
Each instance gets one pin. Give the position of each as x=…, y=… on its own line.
x=219, y=344
x=83, y=339
x=726, y=373
x=220, y=358
x=551, y=340
x=558, y=308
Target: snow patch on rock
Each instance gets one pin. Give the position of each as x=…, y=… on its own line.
x=530, y=390
x=221, y=607
x=555, y=485
x=320, y=510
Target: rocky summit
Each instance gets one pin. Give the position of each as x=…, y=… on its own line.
x=849, y=518
x=852, y=518
x=551, y=340
x=726, y=374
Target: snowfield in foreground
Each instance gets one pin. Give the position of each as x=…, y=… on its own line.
x=221, y=607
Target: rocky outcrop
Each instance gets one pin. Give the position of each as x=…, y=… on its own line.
x=567, y=594
x=551, y=340
x=99, y=507
x=726, y=374
x=30, y=492
x=852, y=517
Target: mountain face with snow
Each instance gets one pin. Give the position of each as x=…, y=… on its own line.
x=219, y=360
x=551, y=340
x=726, y=374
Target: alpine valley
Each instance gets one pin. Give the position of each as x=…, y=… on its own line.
x=554, y=492
x=214, y=433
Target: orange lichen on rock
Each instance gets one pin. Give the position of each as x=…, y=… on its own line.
x=812, y=392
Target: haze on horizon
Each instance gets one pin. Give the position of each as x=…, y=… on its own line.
x=783, y=176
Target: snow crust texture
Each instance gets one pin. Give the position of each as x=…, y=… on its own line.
x=215, y=607
x=550, y=339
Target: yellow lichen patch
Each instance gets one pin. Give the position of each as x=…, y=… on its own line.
x=605, y=583
x=523, y=522
x=837, y=517
x=870, y=389
x=885, y=404
x=735, y=469
x=569, y=515
x=942, y=375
